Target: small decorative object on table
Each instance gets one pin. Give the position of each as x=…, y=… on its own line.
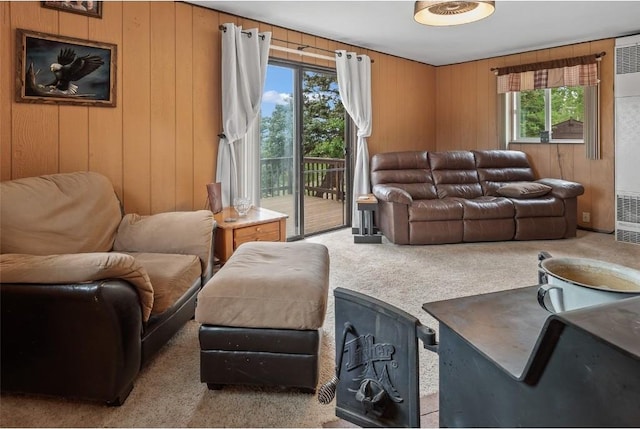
x=242, y=205
x=214, y=193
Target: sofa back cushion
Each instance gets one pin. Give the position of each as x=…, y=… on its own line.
x=405, y=170
x=496, y=168
x=58, y=214
x=454, y=174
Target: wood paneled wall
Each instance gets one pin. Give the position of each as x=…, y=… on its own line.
x=159, y=144
x=466, y=119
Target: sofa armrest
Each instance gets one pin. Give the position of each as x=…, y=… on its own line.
x=76, y=340
x=183, y=233
x=563, y=188
x=79, y=268
x=392, y=194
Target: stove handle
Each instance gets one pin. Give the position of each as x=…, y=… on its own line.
x=542, y=275
x=428, y=337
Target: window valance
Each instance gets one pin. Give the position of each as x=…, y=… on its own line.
x=577, y=71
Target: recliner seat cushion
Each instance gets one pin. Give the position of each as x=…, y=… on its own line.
x=539, y=207
x=487, y=208
x=433, y=210
x=171, y=276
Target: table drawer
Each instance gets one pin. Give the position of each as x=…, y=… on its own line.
x=263, y=232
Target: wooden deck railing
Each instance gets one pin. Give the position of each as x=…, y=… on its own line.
x=323, y=177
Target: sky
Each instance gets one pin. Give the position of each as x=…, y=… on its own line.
x=278, y=85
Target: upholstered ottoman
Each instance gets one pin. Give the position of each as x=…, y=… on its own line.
x=261, y=315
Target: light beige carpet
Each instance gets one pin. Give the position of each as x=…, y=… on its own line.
x=168, y=392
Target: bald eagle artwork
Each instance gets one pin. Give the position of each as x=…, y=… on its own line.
x=65, y=70
x=71, y=68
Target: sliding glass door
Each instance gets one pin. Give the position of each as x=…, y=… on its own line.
x=303, y=170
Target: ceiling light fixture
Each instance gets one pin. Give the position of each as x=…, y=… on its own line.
x=442, y=13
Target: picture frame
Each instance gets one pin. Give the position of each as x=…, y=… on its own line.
x=86, y=8
x=54, y=69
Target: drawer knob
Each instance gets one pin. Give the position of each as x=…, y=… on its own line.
x=258, y=229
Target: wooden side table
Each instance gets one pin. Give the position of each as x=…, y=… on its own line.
x=258, y=225
x=366, y=205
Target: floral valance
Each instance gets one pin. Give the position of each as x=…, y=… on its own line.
x=577, y=71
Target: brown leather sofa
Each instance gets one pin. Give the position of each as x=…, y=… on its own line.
x=88, y=295
x=468, y=196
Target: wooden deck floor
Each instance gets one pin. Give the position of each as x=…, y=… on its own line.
x=319, y=214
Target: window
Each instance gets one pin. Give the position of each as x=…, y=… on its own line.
x=547, y=115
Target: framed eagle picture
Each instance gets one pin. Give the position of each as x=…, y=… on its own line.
x=56, y=69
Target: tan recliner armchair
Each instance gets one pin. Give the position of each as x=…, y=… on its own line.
x=88, y=294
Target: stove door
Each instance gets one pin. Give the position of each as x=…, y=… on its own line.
x=377, y=361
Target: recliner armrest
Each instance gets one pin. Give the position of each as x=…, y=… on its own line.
x=392, y=194
x=183, y=233
x=563, y=188
x=79, y=268
x=79, y=340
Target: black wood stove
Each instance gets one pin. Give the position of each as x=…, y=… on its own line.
x=503, y=362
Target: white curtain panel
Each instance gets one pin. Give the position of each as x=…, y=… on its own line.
x=249, y=180
x=354, y=84
x=245, y=54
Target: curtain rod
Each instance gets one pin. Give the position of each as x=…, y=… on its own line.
x=299, y=50
x=598, y=57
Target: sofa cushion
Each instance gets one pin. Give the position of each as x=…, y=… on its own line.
x=435, y=210
x=170, y=275
x=268, y=285
x=497, y=158
x=408, y=171
x=409, y=160
x=487, y=208
x=495, y=167
x=454, y=174
x=452, y=160
x=183, y=232
x=524, y=190
x=58, y=214
x=546, y=206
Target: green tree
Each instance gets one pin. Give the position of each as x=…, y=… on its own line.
x=277, y=148
x=532, y=113
x=277, y=131
x=322, y=131
x=323, y=116
x=566, y=103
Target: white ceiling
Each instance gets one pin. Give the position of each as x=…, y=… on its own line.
x=388, y=26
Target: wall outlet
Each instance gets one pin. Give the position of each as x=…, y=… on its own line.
x=586, y=217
